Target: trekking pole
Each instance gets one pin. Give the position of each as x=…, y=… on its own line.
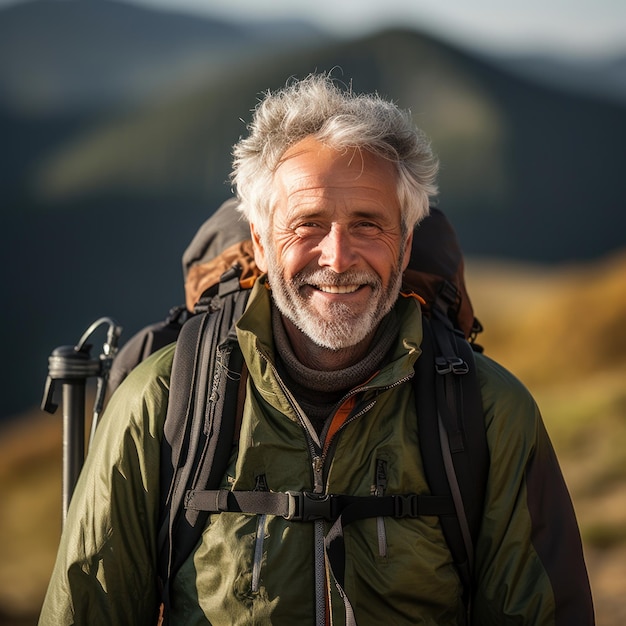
x=109, y=350
x=71, y=366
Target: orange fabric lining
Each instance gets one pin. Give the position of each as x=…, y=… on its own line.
x=341, y=416
x=412, y=294
x=338, y=419
x=247, y=283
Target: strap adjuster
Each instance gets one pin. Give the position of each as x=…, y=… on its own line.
x=406, y=506
x=456, y=365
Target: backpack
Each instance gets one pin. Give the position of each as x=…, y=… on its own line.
x=205, y=405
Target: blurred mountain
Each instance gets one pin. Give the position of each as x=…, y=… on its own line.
x=103, y=189
x=604, y=77
x=59, y=57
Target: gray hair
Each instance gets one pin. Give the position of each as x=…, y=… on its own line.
x=317, y=107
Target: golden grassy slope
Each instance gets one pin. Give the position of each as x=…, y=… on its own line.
x=30, y=514
x=561, y=330
x=553, y=324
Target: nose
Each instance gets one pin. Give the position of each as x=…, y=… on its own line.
x=337, y=250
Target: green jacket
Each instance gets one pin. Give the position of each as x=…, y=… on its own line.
x=261, y=569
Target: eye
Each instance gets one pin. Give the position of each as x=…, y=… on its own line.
x=367, y=228
x=308, y=229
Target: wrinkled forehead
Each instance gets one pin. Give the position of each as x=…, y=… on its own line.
x=313, y=174
x=311, y=157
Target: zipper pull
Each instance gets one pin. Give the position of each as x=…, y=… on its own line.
x=378, y=488
x=318, y=479
x=381, y=477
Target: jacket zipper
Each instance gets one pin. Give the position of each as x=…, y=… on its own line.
x=317, y=465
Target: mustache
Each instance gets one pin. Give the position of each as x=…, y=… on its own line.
x=325, y=276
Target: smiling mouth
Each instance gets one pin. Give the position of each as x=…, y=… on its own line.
x=337, y=288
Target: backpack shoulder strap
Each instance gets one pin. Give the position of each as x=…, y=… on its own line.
x=199, y=426
x=449, y=410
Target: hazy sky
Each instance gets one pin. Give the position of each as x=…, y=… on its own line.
x=597, y=26
x=568, y=25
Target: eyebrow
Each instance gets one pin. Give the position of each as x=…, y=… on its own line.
x=308, y=210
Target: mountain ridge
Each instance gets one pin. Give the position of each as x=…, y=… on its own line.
x=72, y=55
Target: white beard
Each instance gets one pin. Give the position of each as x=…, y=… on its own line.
x=339, y=326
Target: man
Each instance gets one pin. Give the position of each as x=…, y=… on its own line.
x=332, y=184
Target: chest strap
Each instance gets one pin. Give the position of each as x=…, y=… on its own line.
x=303, y=506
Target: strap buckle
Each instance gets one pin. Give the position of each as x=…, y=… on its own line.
x=304, y=506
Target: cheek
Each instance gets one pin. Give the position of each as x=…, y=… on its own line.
x=384, y=259
x=293, y=254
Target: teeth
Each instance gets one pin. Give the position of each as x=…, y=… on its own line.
x=338, y=288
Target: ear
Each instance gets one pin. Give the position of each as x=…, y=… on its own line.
x=259, y=250
x=407, y=250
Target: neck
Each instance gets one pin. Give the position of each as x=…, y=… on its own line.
x=319, y=358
